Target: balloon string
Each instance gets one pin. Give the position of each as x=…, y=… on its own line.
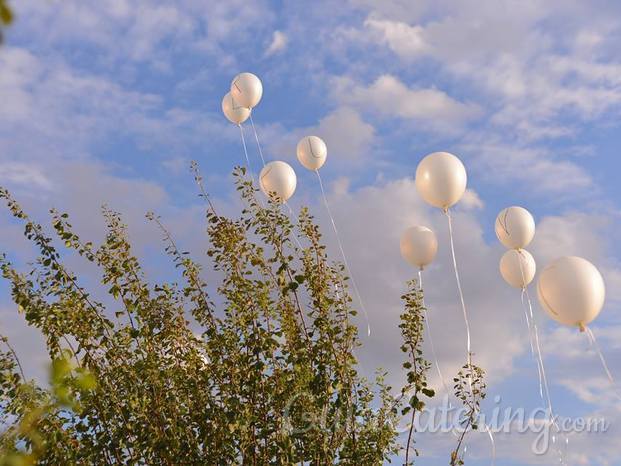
x=291, y=215
x=256, y=137
x=459, y=289
x=299, y=245
x=543, y=379
x=243, y=140
x=467, y=322
x=493, y=442
x=428, y=326
x=534, y=335
x=531, y=338
x=433, y=349
x=248, y=169
x=528, y=324
x=344, y=257
x=552, y=418
x=595, y=346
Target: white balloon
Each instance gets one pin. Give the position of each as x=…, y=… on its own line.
x=515, y=227
x=247, y=89
x=418, y=246
x=572, y=291
x=441, y=179
x=278, y=181
x=518, y=268
x=312, y=152
x=234, y=112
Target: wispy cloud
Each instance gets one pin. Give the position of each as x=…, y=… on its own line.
x=278, y=43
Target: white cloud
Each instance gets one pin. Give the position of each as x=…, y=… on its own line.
x=25, y=175
x=388, y=96
x=540, y=171
x=53, y=111
x=405, y=40
x=347, y=135
x=278, y=44
x=538, y=75
x=471, y=200
x=144, y=31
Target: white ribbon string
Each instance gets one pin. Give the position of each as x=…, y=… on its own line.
x=493, y=442
x=595, y=346
x=432, y=346
x=297, y=241
x=467, y=322
x=534, y=334
x=248, y=168
x=291, y=216
x=433, y=349
x=531, y=338
x=528, y=323
x=342, y=250
x=243, y=140
x=543, y=380
x=461, y=294
x=256, y=137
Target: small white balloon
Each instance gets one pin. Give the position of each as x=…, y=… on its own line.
x=441, y=179
x=234, y=112
x=312, y=152
x=572, y=291
x=278, y=181
x=246, y=89
x=418, y=246
x=515, y=227
x=518, y=268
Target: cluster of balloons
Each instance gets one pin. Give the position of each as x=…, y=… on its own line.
x=571, y=289
x=441, y=181
x=277, y=179
x=515, y=228
x=245, y=93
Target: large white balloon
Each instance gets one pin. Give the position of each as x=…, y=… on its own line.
x=312, y=152
x=515, y=227
x=278, y=181
x=518, y=268
x=571, y=290
x=234, y=112
x=441, y=179
x=247, y=89
x=418, y=246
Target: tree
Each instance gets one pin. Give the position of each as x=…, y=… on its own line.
x=167, y=376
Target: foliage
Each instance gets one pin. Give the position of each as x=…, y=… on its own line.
x=162, y=375
x=470, y=389
x=416, y=367
x=6, y=17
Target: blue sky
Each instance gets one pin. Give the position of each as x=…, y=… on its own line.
x=109, y=101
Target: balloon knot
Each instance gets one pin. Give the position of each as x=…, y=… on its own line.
x=582, y=327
